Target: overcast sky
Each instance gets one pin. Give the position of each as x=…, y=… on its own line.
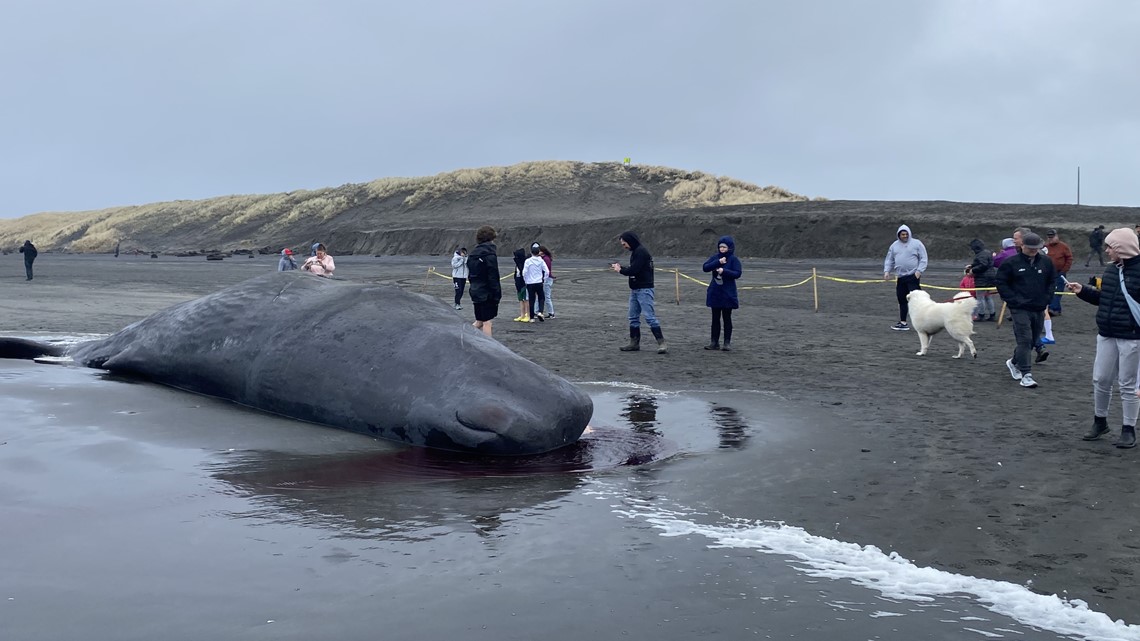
x=114, y=103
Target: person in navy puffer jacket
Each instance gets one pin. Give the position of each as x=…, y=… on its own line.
x=721, y=296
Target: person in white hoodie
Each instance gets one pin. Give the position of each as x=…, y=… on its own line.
x=459, y=273
x=907, y=258
x=534, y=272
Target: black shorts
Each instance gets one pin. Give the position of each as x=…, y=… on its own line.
x=486, y=311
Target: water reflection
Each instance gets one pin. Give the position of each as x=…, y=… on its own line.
x=641, y=412
x=731, y=426
x=384, y=495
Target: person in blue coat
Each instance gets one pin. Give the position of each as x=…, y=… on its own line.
x=721, y=296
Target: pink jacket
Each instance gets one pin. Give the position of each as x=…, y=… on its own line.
x=320, y=267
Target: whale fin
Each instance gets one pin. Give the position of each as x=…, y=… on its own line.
x=24, y=349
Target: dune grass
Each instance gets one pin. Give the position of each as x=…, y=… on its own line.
x=252, y=220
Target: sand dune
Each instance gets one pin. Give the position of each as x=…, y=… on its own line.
x=576, y=208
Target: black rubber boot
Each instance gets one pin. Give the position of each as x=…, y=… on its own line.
x=1099, y=427
x=634, y=340
x=713, y=345
x=1127, y=437
x=661, y=348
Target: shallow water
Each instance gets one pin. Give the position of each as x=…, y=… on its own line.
x=133, y=511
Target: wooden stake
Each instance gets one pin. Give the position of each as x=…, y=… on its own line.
x=677, y=283
x=1001, y=316
x=815, y=288
x=430, y=271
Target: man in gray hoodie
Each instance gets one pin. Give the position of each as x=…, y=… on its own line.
x=907, y=258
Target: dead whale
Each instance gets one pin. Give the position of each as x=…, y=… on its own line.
x=373, y=359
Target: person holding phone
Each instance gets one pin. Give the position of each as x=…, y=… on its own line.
x=320, y=264
x=1117, y=335
x=721, y=295
x=640, y=274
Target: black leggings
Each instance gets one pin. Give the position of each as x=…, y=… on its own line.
x=903, y=286
x=459, y=284
x=717, y=313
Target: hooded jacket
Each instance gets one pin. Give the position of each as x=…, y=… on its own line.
x=640, y=269
x=905, y=258
x=1113, y=315
x=483, y=274
x=982, y=266
x=722, y=288
x=29, y=251
x=458, y=265
x=520, y=260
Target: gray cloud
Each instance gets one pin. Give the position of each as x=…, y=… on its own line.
x=117, y=102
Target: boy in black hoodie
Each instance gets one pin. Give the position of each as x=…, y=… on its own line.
x=640, y=273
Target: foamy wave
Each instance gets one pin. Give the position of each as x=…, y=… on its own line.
x=890, y=574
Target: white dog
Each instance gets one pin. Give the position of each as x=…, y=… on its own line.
x=956, y=317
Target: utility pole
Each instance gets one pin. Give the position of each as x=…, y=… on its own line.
x=1078, y=184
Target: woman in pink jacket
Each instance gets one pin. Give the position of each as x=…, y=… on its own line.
x=322, y=264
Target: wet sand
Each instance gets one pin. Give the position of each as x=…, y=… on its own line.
x=947, y=461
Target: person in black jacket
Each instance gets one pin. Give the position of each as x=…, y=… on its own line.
x=1096, y=242
x=983, y=271
x=640, y=273
x=483, y=279
x=1117, y=335
x=30, y=253
x=1025, y=282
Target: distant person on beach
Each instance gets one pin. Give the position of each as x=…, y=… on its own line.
x=1096, y=245
x=117, y=248
x=983, y=270
x=534, y=273
x=286, y=263
x=640, y=274
x=907, y=258
x=30, y=253
x=721, y=294
x=548, y=284
x=459, y=273
x=322, y=264
x=1117, y=335
x=1007, y=249
x=1025, y=282
x=1062, y=256
x=520, y=286
x=483, y=278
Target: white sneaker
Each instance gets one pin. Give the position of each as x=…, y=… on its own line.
x=1027, y=380
x=1013, y=371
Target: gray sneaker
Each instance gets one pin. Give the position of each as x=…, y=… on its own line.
x=1013, y=371
x=1027, y=380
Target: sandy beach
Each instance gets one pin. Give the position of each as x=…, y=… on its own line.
x=949, y=462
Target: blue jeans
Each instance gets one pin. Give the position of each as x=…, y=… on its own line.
x=1059, y=286
x=547, y=284
x=641, y=302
